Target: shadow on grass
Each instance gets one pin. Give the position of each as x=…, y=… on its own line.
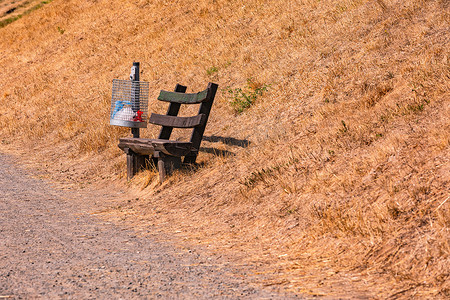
x=193, y=167
x=217, y=152
x=227, y=140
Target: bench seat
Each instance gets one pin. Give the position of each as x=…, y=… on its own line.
x=150, y=146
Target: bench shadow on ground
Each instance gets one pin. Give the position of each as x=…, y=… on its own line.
x=230, y=141
x=225, y=140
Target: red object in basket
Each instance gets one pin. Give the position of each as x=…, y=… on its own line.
x=138, y=117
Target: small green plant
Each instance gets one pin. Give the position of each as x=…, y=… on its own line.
x=212, y=70
x=8, y=21
x=61, y=30
x=243, y=98
x=344, y=128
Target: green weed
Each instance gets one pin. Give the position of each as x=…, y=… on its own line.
x=242, y=98
x=344, y=128
x=212, y=70
x=8, y=21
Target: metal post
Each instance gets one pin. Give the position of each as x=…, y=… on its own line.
x=134, y=76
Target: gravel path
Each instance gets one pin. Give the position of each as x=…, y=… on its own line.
x=51, y=247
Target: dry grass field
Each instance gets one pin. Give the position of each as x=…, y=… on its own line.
x=336, y=180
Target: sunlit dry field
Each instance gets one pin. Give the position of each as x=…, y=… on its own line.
x=335, y=180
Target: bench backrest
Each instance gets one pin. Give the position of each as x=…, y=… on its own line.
x=170, y=120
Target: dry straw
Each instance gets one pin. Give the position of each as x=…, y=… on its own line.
x=338, y=175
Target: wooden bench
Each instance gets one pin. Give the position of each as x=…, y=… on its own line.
x=163, y=152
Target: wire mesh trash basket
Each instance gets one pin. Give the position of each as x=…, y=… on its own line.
x=129, y=103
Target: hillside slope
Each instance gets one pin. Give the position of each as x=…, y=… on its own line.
x=338, y=172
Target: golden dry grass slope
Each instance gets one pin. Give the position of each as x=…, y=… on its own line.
x=339, y=173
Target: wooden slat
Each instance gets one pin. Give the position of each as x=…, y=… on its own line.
x=172, y=111
x=174, y=148
x=197, y=133
x=149, y=146
x=183, y=98
x=178, y=122
x=137, y=145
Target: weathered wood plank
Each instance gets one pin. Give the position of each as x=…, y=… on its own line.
x=149, y=146
x=173, y=110
x=130, y=164
x=137, y=145
x=166, y=164
x=178, y=122
x=174, y=148
x=197, y=133
x=183, y=98
x=135, y=162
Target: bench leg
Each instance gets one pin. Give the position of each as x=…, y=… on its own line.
x=190, y=158
x=161, y=169
x=166, y=165
x=135, y=162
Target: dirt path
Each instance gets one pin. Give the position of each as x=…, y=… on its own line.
x=51, y=247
